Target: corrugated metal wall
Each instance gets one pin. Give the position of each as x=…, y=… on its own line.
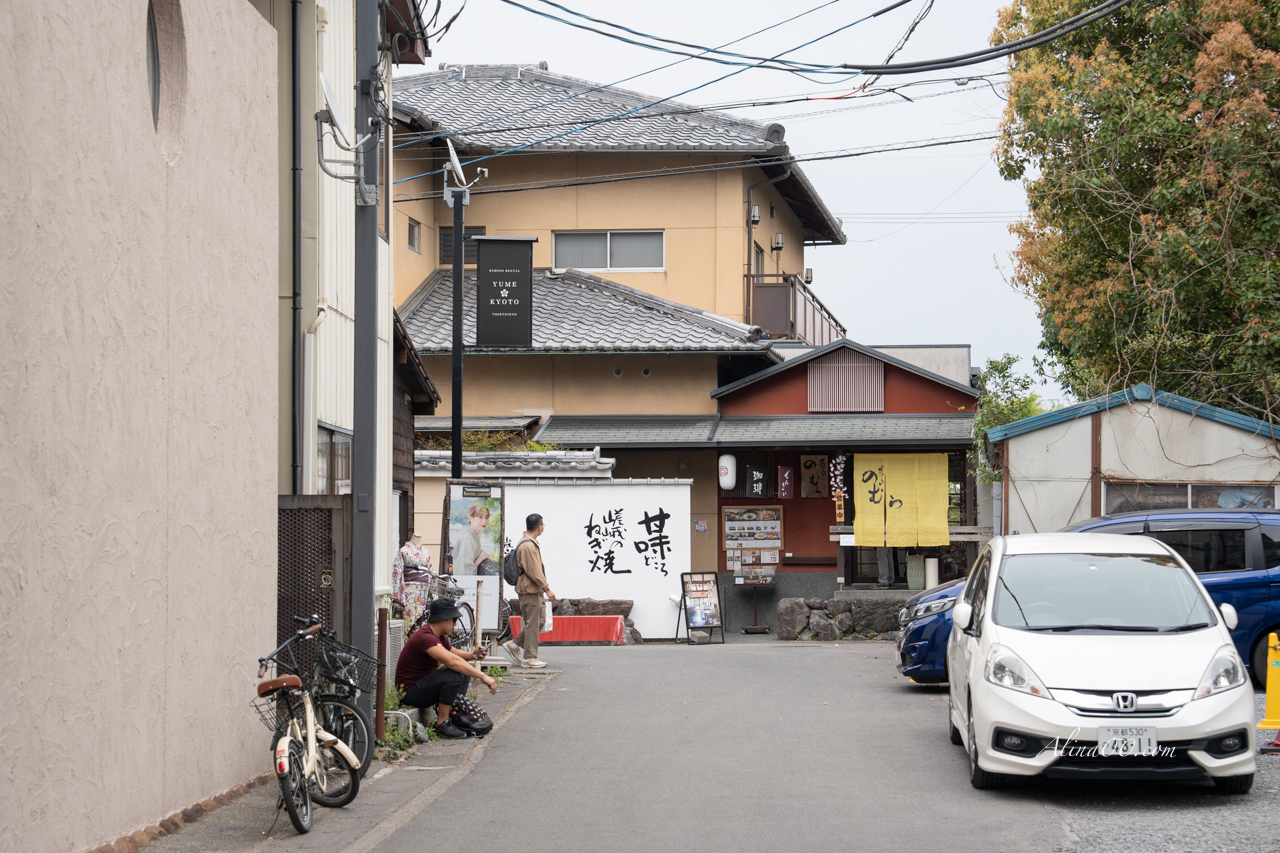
x=846, y=381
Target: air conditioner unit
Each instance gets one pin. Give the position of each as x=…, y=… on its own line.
x=395, y=643
x=777, y=241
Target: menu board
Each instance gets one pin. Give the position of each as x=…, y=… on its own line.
x=754, y=528
x=701, y=600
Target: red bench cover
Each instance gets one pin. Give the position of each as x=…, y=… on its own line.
x=579, y=629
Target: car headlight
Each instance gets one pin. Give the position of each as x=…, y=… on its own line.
x=1225, y=671
x=928, y=608
x=1008, y=670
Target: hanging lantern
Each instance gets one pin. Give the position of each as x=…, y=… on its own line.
x=728, y=472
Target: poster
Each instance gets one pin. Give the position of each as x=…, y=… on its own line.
x=701, y=600
x=753, y=527
x=473, y=522
x=610, y=539
x=815, y=477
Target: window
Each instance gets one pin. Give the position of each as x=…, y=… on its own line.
x=469, y=247
x=333, y=462
x=1206, y=550
x=153, y=66
x=413, y=236
x=773, y=212
x=1271, y=546
x=609, y=250
x=1130, y=497
x=757, y=259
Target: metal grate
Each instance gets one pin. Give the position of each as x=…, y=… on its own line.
x=304, y=574
x=846, y=381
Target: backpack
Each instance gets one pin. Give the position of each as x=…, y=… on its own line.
x=510, y=568
x=467, y=715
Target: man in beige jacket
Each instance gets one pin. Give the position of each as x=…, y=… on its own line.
x=531, y=587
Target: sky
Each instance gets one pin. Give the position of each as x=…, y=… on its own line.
x=928, y=257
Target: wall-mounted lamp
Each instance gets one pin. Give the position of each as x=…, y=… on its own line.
x=755, y=214
x=777, y=241
x=808, y=275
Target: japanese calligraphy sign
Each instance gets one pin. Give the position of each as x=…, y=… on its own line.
x=815, y=477
x=900, y=499
x=757, y=481
x=786, y=482
x=867, y=500
x=613, y=540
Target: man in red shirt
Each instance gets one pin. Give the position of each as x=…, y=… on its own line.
x=431, y=673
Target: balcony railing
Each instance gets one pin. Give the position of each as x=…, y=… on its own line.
x=787, y=310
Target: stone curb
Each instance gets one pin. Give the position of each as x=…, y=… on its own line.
x=173, y=823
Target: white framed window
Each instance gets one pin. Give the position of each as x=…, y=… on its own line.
x=414, y=231
x=610, y=251
x=1131, y=496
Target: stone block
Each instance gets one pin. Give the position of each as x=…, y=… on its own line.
x=124, y=844
x=875, y=615
x=699, y=636
x=563, y=607
x=140, y=839
x=192, y=813
x=815, y=603
x=844, y=622
x=608, y=607
x=241, y=790
x=836, y=606
x=635, y=636
x=822, y=626
x=170, y=826
x=210, y=804
x=178, y=818
x=152, y=832
x=793, y=617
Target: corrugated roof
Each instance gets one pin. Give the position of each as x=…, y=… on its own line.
x=1141, y=392
x=756, y=430
x=576, y=312
x=488, y=108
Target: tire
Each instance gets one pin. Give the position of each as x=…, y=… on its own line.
x=340, y=781
x=951, y=724
x=464, y=629
x=1233, y=784
x=346, y=721
x=293, y=788
x=504, y=621
x=1258, y=659
x=979, y=778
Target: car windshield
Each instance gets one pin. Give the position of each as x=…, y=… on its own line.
x=1099, y=592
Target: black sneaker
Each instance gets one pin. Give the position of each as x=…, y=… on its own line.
x=446, y=729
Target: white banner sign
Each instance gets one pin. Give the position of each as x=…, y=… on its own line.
x=488, y=613
x=622, y=540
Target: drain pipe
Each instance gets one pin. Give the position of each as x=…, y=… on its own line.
x=295, y=463
x=751, y=234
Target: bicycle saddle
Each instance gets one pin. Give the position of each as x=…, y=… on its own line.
x=271, y=685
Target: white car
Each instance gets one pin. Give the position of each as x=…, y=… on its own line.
x=1096, y=656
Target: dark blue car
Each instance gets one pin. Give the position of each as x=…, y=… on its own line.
x=1235, y=553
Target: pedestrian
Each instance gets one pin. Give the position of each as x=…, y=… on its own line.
x=532, y=586
x=885, y=565
x=420, y=674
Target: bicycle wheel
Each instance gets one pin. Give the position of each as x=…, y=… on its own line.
x=336, y=782
x=504, y=620
x=464, y=629
x=344, y=720
x=293, y=788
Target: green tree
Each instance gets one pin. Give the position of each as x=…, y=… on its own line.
x=1147, y=143
x=1003, y=397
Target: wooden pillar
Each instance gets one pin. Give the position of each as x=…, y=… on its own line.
x=970, y=507
x=1095, y=469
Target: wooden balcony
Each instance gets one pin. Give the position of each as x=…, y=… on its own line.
x=787, y=310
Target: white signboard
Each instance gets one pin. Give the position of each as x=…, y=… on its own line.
x=621, y=540
x=489, y=613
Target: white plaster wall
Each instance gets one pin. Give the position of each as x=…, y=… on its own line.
x=138, y=406
x=1049, y=477
x=1143, y=441
x=949, y=361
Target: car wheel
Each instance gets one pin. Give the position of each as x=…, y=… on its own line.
x=1233, y=784
x=951, y=723
x=978, y=777
x=1258, y=660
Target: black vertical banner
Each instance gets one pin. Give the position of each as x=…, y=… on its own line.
x=504, y=291
x=757, y=481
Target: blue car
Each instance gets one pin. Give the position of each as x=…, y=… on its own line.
x=1236, y=555
x=926, y=625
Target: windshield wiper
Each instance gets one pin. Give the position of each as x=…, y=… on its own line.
x=1195, y=626
x=1093, y=627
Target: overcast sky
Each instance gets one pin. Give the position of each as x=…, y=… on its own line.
x=939, y=280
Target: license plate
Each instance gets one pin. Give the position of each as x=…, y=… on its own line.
x=1127, y=740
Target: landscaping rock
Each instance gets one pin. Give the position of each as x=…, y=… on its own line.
x=844, y=622
x=836, y=606
x=209, y=805
x=140, y=838
x=852, y=637
x=564, y=607
x=793, y=616
x=170, y=826
x=626, y=638
x=875, y=615
x=815, y=603
x=609, y=607
x=125, y=844
x=635, y=636
x=891, y=636
x=822, y=626
x=192, y=813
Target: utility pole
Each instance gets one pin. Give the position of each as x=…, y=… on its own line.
x=364, y=445
x=457, y=199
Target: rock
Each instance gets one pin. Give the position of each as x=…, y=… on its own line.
x=152, y=833
x=836, y=606
x=855, y=637
x=891, y=636
x=125, y=844
x=170, y=826
x=627, y=622
x=815, y=603
x=700, y=636
x=140, y=839
x=626, y=638
x=844, y=622
x=875, y=615
x=608, y=607
x=635, y=636
x=222, y=799
x=793, y=616
x=564, y=607
x=822, y=626
x=192, y=813
x=105, y=848
x=209, y=805
x=241, y=790
x=177, y=818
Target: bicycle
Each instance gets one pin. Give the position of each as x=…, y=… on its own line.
x=464, y=635
x=311, y=764
x=340, y=675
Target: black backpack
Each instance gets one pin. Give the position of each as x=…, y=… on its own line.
x=510, y=568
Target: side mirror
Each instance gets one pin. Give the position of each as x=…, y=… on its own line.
x=962, y=615
x=1229, y=616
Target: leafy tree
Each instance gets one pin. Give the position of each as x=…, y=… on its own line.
x=1003, y=397
x=1148, y=144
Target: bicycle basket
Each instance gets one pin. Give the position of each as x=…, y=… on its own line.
x=274, y=711
x=344, y=664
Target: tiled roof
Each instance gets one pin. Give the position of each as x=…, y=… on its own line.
x=576, y=312
x=578, y=463
x=756, y=430
x=490, y=108
x=444, y=423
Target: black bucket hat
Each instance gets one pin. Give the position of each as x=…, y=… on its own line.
x=442, y=609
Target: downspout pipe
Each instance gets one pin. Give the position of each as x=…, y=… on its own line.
x=751, y=234
x=295, y=463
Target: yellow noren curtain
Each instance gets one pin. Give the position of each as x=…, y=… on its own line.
x=933, y=499
x=867, y=499
x=900, y=508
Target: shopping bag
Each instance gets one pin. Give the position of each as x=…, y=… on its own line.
x=546, y=626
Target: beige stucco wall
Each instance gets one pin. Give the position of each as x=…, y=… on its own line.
x=138, y=404
x=702, y=215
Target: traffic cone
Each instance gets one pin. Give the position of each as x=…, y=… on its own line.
x=1271, y=719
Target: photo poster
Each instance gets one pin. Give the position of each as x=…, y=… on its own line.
x=701, y=600
x=613, y=540
x=473, y=527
